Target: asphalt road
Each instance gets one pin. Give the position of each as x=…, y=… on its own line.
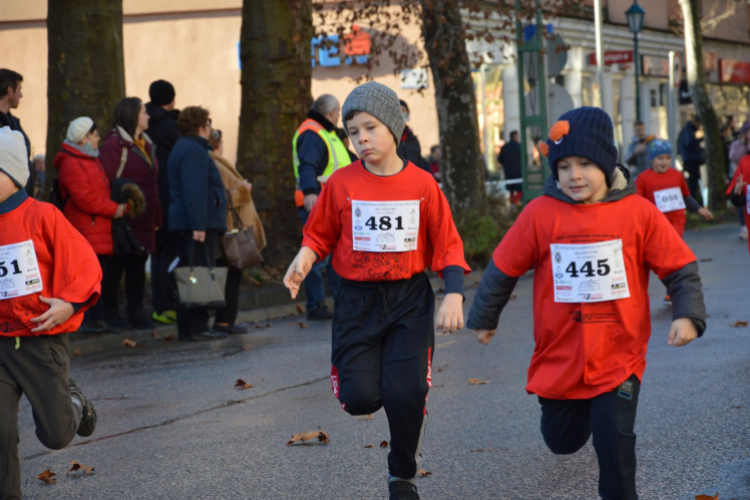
x=172, y=425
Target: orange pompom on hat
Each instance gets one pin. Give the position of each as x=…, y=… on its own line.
x=585, y=132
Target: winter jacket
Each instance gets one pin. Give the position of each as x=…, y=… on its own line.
x=410, y=150
x=737, y=150
x=639, y=162
x=240, y=199
x=88, y=206
x=163, y=132
x=139, y=170
x=510, y=159
x=195, y=187
x=313, y=155
x=689, y=146
x=8, y=120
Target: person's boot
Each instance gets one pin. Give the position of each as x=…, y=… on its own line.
x=402, y=490
x=140, y=320
x=89, y=325
x=88, y=413
x=114, y=321
x=320, y=313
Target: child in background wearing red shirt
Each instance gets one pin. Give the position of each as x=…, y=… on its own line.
x=386, y=221
x=50, y=275
x=666, y=188
x=592, y=244
x=738, y=190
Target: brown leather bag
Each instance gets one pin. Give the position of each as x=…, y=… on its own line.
x=240, y=245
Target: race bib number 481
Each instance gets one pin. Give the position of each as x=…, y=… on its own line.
x=385, y=226
x=590, y=272
x=19, y=270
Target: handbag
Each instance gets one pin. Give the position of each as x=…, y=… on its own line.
x=240, y=245
x=201, y=287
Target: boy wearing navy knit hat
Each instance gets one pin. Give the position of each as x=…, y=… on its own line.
x=592, y=243
x=388, y=221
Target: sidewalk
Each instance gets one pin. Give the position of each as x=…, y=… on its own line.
x=279, y=305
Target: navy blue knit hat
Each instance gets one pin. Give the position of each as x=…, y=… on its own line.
x=585, y=132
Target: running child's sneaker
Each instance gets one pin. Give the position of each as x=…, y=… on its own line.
x=743, y=232
x=88, y=413
x=667, y=300
x=403, y=490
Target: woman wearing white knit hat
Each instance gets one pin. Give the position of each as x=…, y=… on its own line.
x=88, y=204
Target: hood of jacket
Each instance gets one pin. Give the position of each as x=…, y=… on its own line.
x=68, y=151
x=125, y=139
x=158, y=114
x=621, y=187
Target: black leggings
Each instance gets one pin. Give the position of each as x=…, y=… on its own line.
x=134, y=267
x=383, y=340
x=567, y=425
x=228, y=314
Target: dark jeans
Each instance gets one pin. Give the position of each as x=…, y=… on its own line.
x=383, y=340
x=163, y=286
x=39, y=369
x=610, y=417
x=694, y=169
x=228, y=314
x=134, y=267
x=314, y=286
x=741, y=215
x=191, y=322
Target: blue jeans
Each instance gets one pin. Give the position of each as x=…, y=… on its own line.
x=314, y=286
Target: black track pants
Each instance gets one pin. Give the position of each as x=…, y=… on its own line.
x=383, y=340
x=610, y=417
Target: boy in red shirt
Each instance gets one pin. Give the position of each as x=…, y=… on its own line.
x=49, y=275
x=386, y=221
x=592, y=244
x=738, y=190
x=666, y=188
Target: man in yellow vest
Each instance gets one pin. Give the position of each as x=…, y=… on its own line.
x=318, y=152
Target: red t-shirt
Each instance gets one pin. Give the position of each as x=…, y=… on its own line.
x=743, y=168
x=330, y=226
x=650, y=182
x=586, y=349
x=68, y=268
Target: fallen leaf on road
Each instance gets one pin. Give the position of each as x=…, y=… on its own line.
x=241, y=384
x=424, y=473
x=77, y=466
x=300, y=309
x=268, y=325
x=364, y=417
x=307, y=436
x=370, y=446
x=739, y=324
x=513, y=297
x=78, y=352
x=129, y=343
x=706, y=260
x=169, y=337
x=47, y=476
x=441, y=368
x=154, y=334
x=303, y=325
x=706, y=497
x=476, y=381
x=384, y=444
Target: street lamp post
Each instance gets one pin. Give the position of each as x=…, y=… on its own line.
x=635, y=22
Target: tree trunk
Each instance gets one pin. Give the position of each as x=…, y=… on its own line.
x=276, y=78
x=85, y=68
x=696, y=78
x=463, y=173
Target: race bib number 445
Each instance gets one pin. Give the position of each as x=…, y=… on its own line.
x=385, y=226
x=19, y=270
x=590, y=272
x=669, y=200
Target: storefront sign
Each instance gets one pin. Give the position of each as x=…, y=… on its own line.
x=356, y=47
x=655, y=66
x=613, y=57
x=731, y=71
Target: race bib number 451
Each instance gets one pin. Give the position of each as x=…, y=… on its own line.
x=19, y=270
x=385, y=226
x=590, y=272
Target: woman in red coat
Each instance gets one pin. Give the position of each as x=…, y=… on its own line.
x=128, y=150
x=84, y=188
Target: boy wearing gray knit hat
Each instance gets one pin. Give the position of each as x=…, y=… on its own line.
x=387, y=220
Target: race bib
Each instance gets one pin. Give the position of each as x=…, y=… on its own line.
x=669, y=200
x=590, y=272
x=747, y=197
x=385, y=226
x=19, y=270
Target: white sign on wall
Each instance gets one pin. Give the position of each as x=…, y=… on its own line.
x=414, y=79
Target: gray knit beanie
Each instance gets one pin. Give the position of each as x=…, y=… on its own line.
x=381, y=102
x=14, y=160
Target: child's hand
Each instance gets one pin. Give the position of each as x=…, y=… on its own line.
x=57, y=314
x=298, y=270
x=682, y=332
x=484, y=336
x=450, y=316
x=739, y=188
x=706, y=213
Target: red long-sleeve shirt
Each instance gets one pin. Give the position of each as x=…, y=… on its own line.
x=743, y=169
x=330, y=225
x=650, y=182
